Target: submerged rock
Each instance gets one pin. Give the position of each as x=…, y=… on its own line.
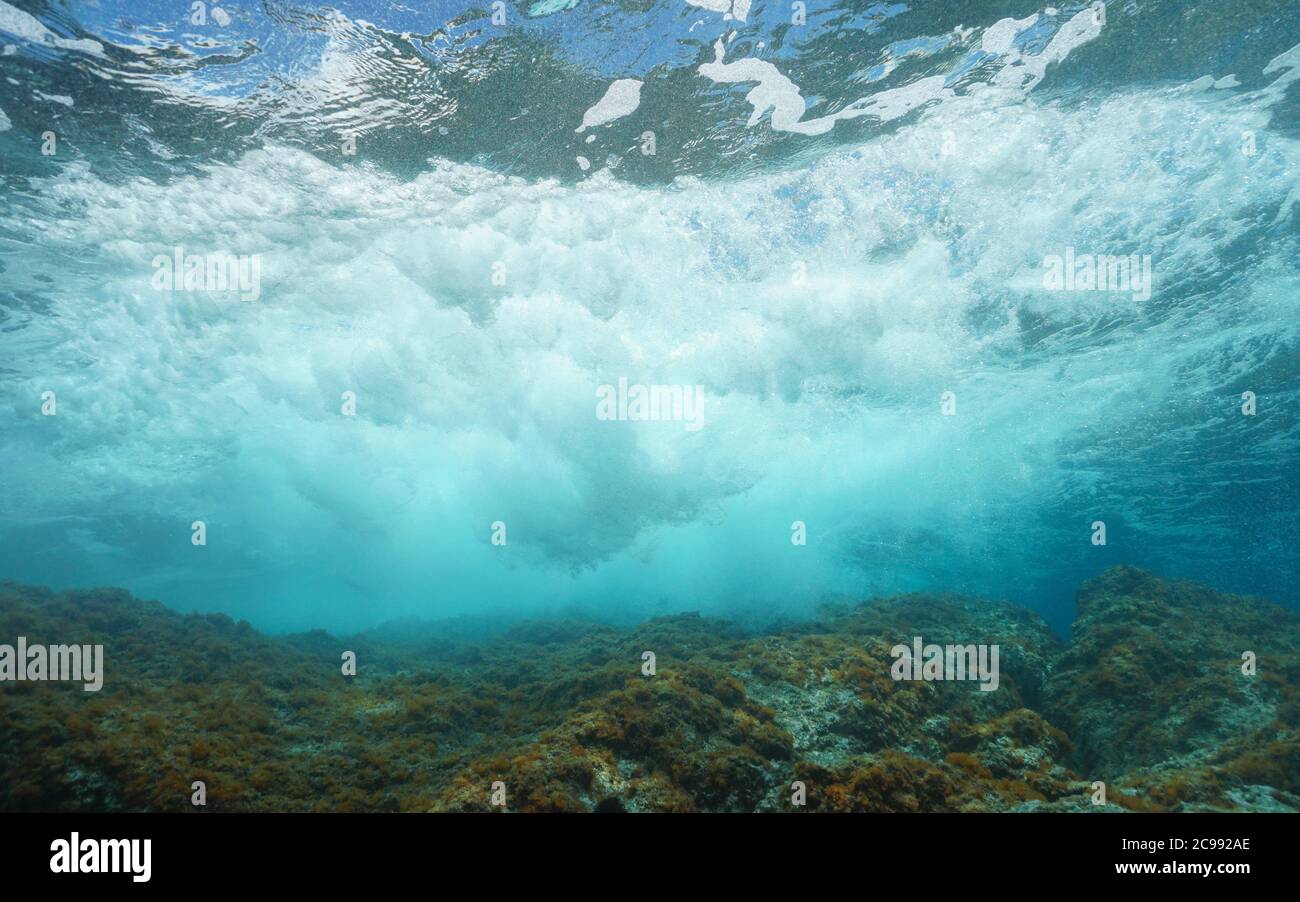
x=1152, y=686
x=1149, y=697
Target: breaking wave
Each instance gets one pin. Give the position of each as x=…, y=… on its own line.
x=837, y=229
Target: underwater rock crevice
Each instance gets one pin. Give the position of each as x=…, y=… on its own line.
x=1148, y=696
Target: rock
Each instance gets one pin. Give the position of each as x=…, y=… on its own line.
x=1149, y=697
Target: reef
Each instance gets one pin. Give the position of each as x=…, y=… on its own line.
x=1176, y=697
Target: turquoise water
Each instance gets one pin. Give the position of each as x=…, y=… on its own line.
x=823, y=225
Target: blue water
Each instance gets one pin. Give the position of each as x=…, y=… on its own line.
x=841, y=220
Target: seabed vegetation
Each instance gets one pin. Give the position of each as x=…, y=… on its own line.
x=1149, y=697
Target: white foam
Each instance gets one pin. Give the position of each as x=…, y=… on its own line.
x=621, y=98
x=476, y=400
x=54, y=98
x=1025, y=72
x=998, y=37
x=779, y=94
x=1288, y=64
x=739, y=9
x=776, y=92
x=29, y=28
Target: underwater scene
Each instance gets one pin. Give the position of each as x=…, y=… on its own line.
x=649, y=406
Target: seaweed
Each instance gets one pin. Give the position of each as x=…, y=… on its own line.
x=1148, y=697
